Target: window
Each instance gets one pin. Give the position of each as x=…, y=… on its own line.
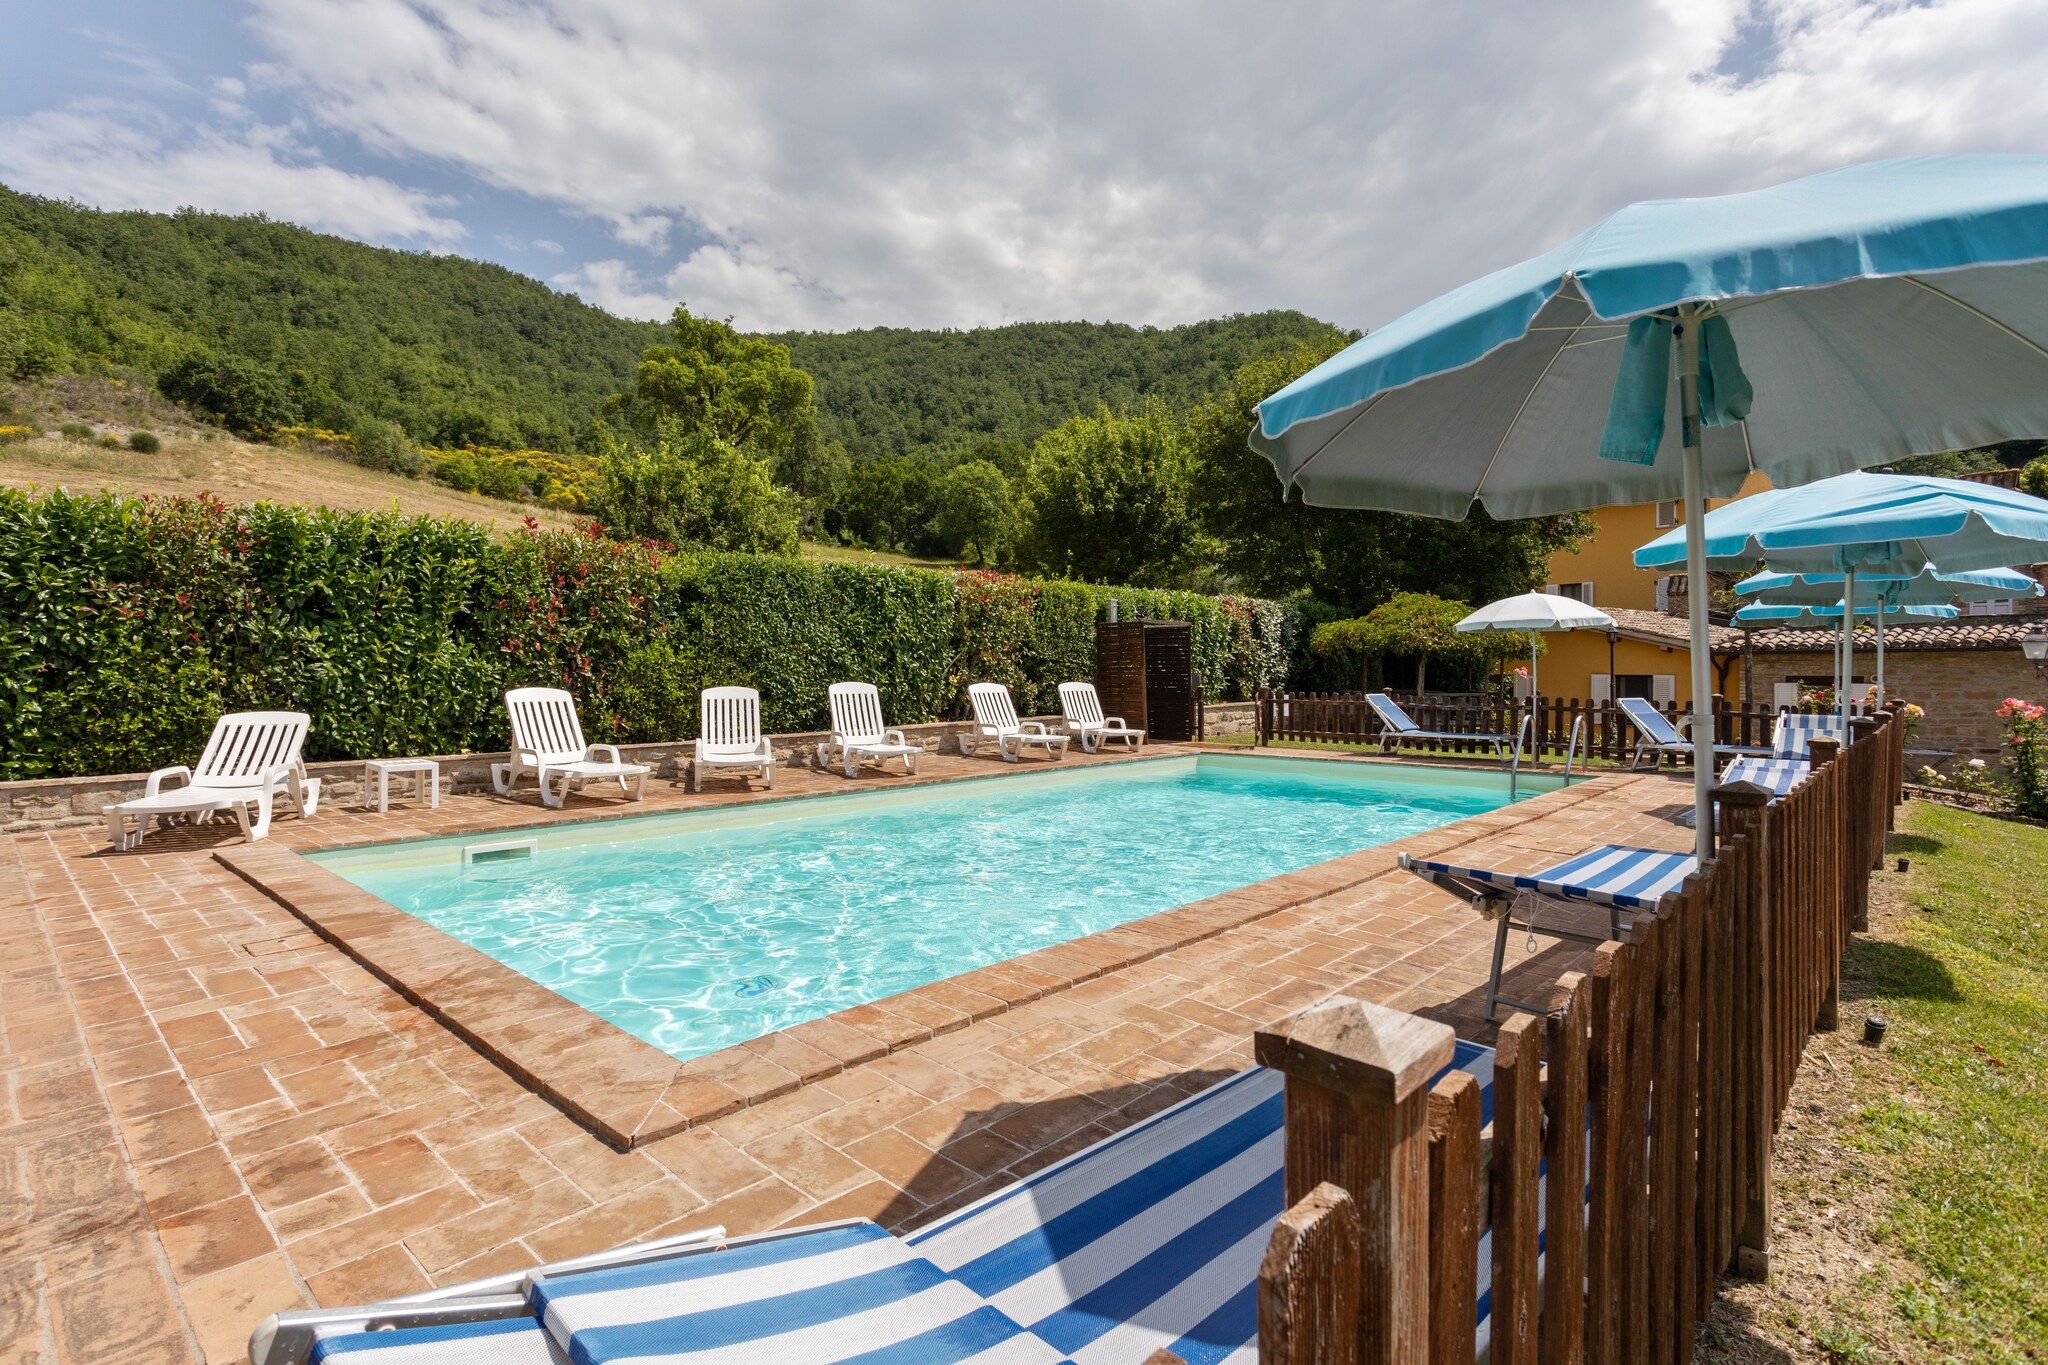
x=1997, y=606
x=1667, y=514
x=1668, y=586
x=1578, y=592
x=1634, y=685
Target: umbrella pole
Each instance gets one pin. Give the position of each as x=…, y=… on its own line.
x=1880, y=652
x=1689, y=316
x=1848, y=650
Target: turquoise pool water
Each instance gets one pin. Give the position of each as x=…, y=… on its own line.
x=697, y=930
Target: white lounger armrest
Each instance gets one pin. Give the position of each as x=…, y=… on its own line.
x=602, y=753
x=154, y=782
x=897, y=737
x=1031, y=727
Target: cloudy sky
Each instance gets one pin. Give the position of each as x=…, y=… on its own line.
x=957, y=164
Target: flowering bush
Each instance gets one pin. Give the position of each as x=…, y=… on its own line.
x=2026, y=740
x=1819, y=699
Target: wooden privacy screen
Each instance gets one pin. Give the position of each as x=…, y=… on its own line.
x=1144, y=672
x=1661, y=1072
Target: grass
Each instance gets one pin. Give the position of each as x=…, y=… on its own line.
x=1960, y=1141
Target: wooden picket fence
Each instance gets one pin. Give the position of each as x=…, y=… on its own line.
x=1662, y=1072
x=1345, y=718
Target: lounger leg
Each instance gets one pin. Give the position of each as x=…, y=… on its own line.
x=1500, y=951
x=117, y=830
x=768, y=776
x=696, y=775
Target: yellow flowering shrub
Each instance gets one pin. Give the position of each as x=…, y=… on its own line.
x=17, y=432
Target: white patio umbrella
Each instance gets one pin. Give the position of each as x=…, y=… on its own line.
x=1878, y=311
x=1536, y=613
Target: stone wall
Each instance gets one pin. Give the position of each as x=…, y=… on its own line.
x=52, y=803
x=1960, y=690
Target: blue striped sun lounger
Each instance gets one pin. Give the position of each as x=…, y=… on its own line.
x=1397, y=727
x=1658, y=737
x=1797, y=729
x=1151, y=1237
x=1616, y=876
x=1778, y=776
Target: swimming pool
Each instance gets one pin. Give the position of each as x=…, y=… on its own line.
x=700, y=929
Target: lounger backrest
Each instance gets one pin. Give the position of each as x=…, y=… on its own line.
x=1775, y=775
x=856, y=711
x=544, y=723
x=1646, y=717
x=1078, y=703
x=246, y=744
x=730, y=717
x=1390, y=713
x=1797, y=729
x=993, y=710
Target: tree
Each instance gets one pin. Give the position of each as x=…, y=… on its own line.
x=890, y=503
x=741, y=390
x=816, y=470
x=974, y=511
x=690, y=488
x=1418, y=624
x=242, y=396
x=1273, y=544
x=2034, y=478
x=1110, y=499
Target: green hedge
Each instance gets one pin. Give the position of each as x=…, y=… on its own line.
x=127, y=625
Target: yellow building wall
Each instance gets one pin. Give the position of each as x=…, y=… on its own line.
x=1574, y=656
x=1606, y=559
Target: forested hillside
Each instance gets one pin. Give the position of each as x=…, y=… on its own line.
x=461, y=352
x=891, y=390
x=452, y=350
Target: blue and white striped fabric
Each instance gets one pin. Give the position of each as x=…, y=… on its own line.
x=1778, y=776
x=851, y=1293
x=509, y=1341
x=1613, y=874
x=1659, y=731
x=1151, y=1238
x=1798, y=729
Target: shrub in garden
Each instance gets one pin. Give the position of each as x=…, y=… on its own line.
x=144, y=442
x=127, y=625
x=75, y=431
x=11, y=432
x=110, y=442
x=2026, y=740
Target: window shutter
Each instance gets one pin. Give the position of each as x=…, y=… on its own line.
x=1784, y=696
x=1600, y=688
x=1664, y=688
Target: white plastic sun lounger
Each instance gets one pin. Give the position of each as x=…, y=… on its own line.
x=858, y=733
x=730, y=718
x=1614, y=875
x=251, y=759
x=1659, y=738
x=1397, y=727
x=995, y=720
x=1150, y=1238
x=547, y=745
x=1798, y=729
x=1082, y=709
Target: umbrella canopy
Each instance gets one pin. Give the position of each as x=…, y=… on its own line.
x=1876, y=523
x=1930, y=587
x=1777, y=615
x=1888, y=309
x=1930, y=337
x=1535, y=612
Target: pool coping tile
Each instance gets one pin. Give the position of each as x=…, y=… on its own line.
x=631, y=1093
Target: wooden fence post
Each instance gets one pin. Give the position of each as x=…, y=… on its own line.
x=1357, y=1117
x=1456, y=1181
x=1745, y=816
x=1308, y=1283
x=1564, y=1149
x=1517, y=1169
x=1837, y=859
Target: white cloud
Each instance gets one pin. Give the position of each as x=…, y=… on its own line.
x=552, y=248
x=931, y=164
x=119, y=157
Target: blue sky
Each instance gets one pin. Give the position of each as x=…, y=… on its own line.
x=948, y=165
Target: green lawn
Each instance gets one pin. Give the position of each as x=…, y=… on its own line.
x=1960, y=1142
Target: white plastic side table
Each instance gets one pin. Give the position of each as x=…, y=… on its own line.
x=425, y=773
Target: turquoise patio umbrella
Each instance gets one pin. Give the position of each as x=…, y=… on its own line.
x=1887, y=524
x=1840, y=321
x=1932, y=586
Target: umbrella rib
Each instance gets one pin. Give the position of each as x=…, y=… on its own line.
x=1371, y=403
x=1486, y=473
x=1979, y=313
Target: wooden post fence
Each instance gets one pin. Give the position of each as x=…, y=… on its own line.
x=1662, y=1072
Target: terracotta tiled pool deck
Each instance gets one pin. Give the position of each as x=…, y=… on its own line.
x=210, y=1112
